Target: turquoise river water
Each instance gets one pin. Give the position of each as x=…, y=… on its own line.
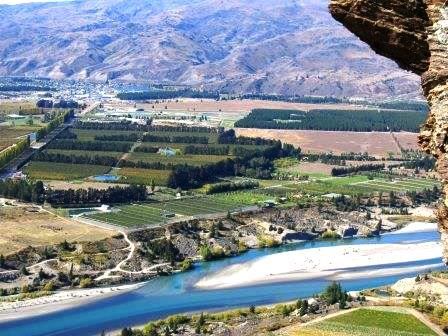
x=176, y=294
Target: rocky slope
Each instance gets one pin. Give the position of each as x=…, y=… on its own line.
x=414, y=33
x=269, y=46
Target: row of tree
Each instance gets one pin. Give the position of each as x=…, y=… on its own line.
x=258, y=165
x=339, y=171
x=147, y=149
x=63, y=104
x=167, y=94
x=130, y=137
x=103, y=146
x=176, y=139
x=157, y=165
x=67, y=134
x=35, y=192
x=231, y=186
x=130, y=126
x=13, y=151
x=100, y=160
x=58, y=120
x=334, y=120
x=111, y=195
x=207, y=150
x=330, y=157
x=113, y=126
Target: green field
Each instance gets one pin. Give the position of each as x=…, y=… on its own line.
x=149, y=214
x=62, y=171
x=40, y=170
x=144, y=176
x=372, y=322
x=193, y=160
x=360, y=184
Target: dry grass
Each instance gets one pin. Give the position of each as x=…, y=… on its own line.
x=315, y=332
x=21, y=228
x=407, y=140
x=234, y=106
x=10, y=107
x=375, y=143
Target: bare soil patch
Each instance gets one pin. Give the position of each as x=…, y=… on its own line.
x=407, y=140
x=375, y=143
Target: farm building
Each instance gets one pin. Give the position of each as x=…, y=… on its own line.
x=167, y=151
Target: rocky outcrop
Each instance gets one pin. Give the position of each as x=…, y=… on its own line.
x=414, y=33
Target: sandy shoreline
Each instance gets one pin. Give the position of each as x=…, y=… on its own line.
x=59, y=301
x=332, y=263
x=286, y=266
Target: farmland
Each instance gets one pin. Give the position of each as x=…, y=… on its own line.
x=194, y=160
x=132, y=155
x=373, y=322
x=375, y=143
x=147, y=214
x=363, y=184
x=143, y=176
x=10, y=135
x=19, y=107
x=62, y=171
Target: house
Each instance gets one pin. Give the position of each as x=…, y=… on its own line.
x=167, y=151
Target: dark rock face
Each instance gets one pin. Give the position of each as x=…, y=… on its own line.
x=393, y=28
x=414, y=33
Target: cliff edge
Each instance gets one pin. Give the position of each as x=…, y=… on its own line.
x=414, y=33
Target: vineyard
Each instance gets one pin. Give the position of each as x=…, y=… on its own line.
x=141, y=154
x=370, y=322
x=148, y=214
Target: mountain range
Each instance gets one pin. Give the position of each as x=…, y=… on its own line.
x=241, y=46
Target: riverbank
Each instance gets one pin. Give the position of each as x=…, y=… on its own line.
x=59, y=301
x=73, y=298
x=330, y=263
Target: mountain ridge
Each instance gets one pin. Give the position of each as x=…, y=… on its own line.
x=284, y=47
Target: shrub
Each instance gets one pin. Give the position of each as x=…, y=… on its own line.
x=86, y=283
x=186, y=265
x=329, y=234
x=267, y=241
x=49, y=287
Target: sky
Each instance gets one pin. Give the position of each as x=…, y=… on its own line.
x=14, y=2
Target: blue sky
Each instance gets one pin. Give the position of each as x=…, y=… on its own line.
x=14, y=2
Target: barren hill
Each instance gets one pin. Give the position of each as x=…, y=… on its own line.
x=268, y=46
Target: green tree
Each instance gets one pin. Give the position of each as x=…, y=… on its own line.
x=304, y=308
x=153, y=185
x=334, y=293
x=24, y=271
x=127, y=332
x=206, y=253
x=200, y=323
x=2, y=261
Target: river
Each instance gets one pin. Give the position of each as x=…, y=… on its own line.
x=177, y=294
